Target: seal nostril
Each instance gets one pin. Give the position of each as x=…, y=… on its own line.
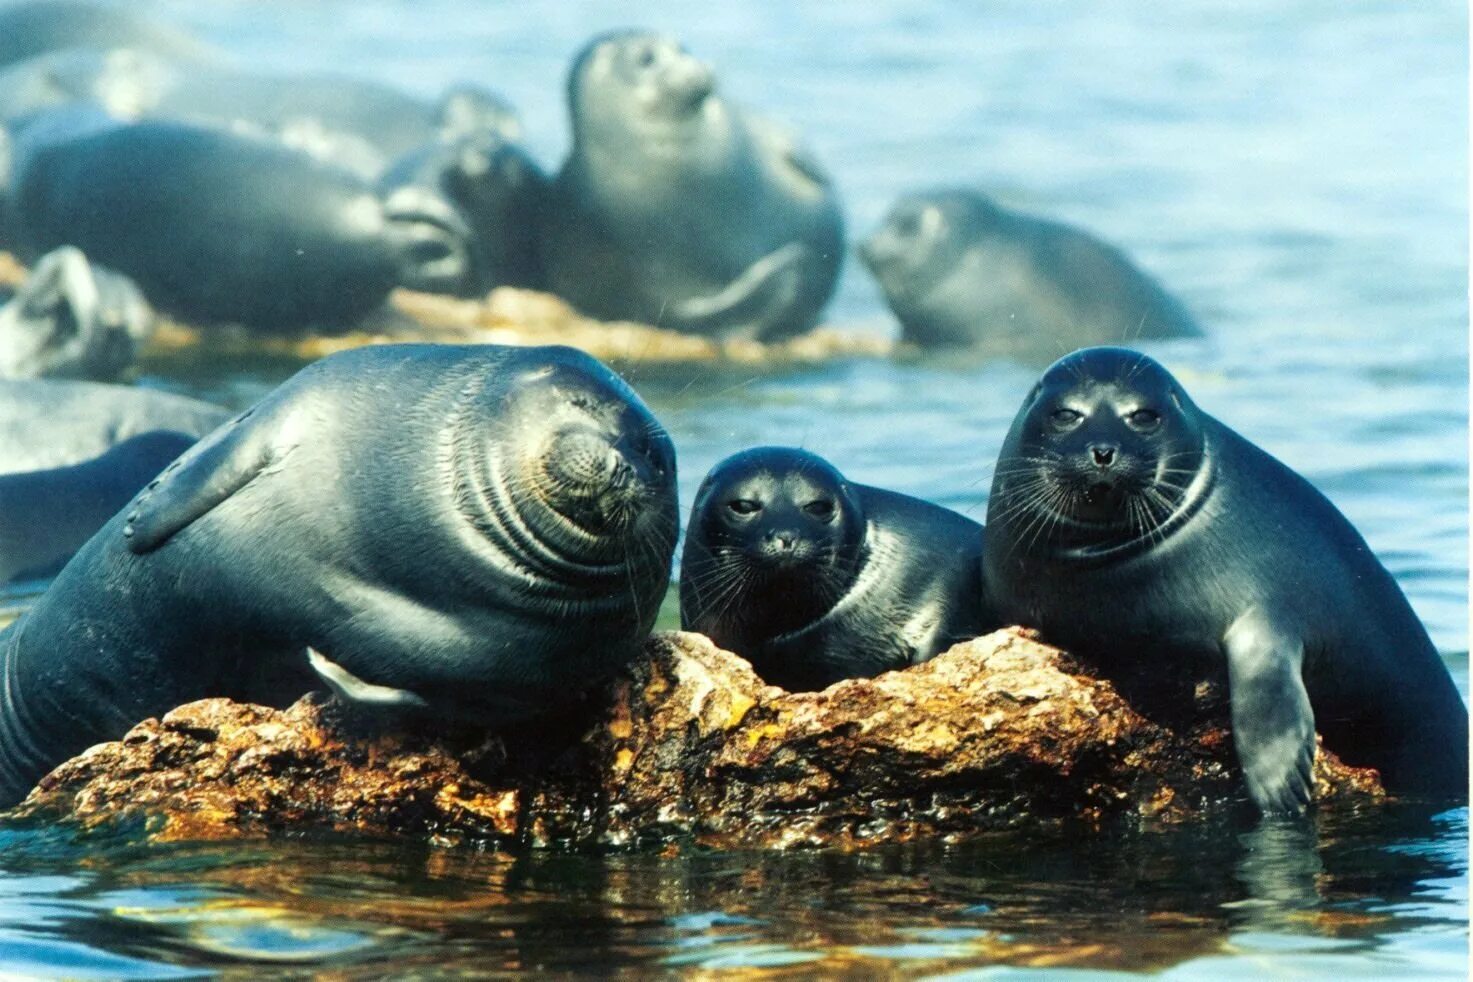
x=1103, y=456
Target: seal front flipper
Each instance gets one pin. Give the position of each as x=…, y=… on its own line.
x=220, y=465
x=748, y=304
x=1273, y=724
x=350, y=688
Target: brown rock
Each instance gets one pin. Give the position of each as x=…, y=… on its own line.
x=688, y=744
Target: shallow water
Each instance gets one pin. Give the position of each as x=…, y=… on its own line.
x=1296, y=172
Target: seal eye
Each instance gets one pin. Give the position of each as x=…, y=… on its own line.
x=646, y=58
x=1144, y=420
x=744, y=506
x=822, y=509
x=1064, y=419
x=908, y=224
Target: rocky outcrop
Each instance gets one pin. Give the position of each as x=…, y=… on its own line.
x=689, y=745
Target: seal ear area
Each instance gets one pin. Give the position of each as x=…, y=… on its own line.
x=1273, y=722
x=190, y=487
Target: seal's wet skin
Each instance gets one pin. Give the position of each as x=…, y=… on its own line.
x=679, y=209
x=478, y=531
x=1131, y=527
x=814, y=579
x=958, y=270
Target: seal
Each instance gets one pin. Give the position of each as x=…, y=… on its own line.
x=814, y=579
x=959, y=270
x=218, y=227
x=477, y=532
x=50, y=423
x=500, y=191
x=31, y=29
x=71, y=319
x=46, y=516
x=1134, y=529
x=679, y=209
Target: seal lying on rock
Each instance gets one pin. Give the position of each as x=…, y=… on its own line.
x=71, y=319
x=48, y=423
x=46, y=516
x=219, y=227
x=814, y=579
x=1133, y=528
x=959, y=270
x=478, y=532
x=678, y=209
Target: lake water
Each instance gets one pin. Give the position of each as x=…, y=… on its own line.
x=1295, y=171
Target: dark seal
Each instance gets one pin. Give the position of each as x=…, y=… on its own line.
x=814, y=579
x=46, y=516
x=71, y=319
x=1134, y=529
x=679, y=209
x=959, y=270
x=218, y=227
x=50, y=423
x=478, y=532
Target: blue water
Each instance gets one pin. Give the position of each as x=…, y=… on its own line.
x=1295, y=171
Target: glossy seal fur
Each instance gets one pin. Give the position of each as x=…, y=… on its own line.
x=1132, y=528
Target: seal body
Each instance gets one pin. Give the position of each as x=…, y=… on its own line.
x=219, y=227
x=1132, y=528
x=479, y=531
x=814, y=579
x=46, y=423
x=958, y=270
x=34, y=28
x=678, y=209
x=71, y=319
x=499, y=190
x=46, y=516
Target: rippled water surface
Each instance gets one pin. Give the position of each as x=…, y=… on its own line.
x=1295, y=171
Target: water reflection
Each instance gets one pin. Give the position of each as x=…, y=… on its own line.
x=1386, y=885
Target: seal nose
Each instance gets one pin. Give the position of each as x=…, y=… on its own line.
x=1103, y=454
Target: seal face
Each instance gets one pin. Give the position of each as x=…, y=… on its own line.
x=71, y=319
x=958, y=270
x=475, y=532
x=1133, y=528
x=297, y=243
x=814, y=579
x=677, y=208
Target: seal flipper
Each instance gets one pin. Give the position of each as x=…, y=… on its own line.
x=350, y=688
x=210, y=472
x=747, y=305
x=1273, y=723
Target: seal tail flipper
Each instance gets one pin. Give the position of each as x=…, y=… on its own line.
x=211, y=471
x=350, y=688
x=1273, y=723
x=747, y=305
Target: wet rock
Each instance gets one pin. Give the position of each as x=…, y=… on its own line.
x=689, y=745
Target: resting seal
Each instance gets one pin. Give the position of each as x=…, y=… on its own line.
x=959, y=270
x=45, y=516
x=478, y=531
x=46, y=423
x=219, y=227
x=1133, y=528
x=678, y=209
x=814, y=579
x=71, y=319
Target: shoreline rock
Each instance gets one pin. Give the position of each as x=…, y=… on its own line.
x=687, y=745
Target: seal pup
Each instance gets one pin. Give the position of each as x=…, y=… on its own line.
x=476, y=531
x=46, y=516
x=71, y=319
x=679, y=209
x=218, y=227
x=814, y=579
x=959, y=270
x=1132, y=528
x=49, y=423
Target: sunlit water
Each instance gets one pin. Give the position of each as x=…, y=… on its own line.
x=1295, y=171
